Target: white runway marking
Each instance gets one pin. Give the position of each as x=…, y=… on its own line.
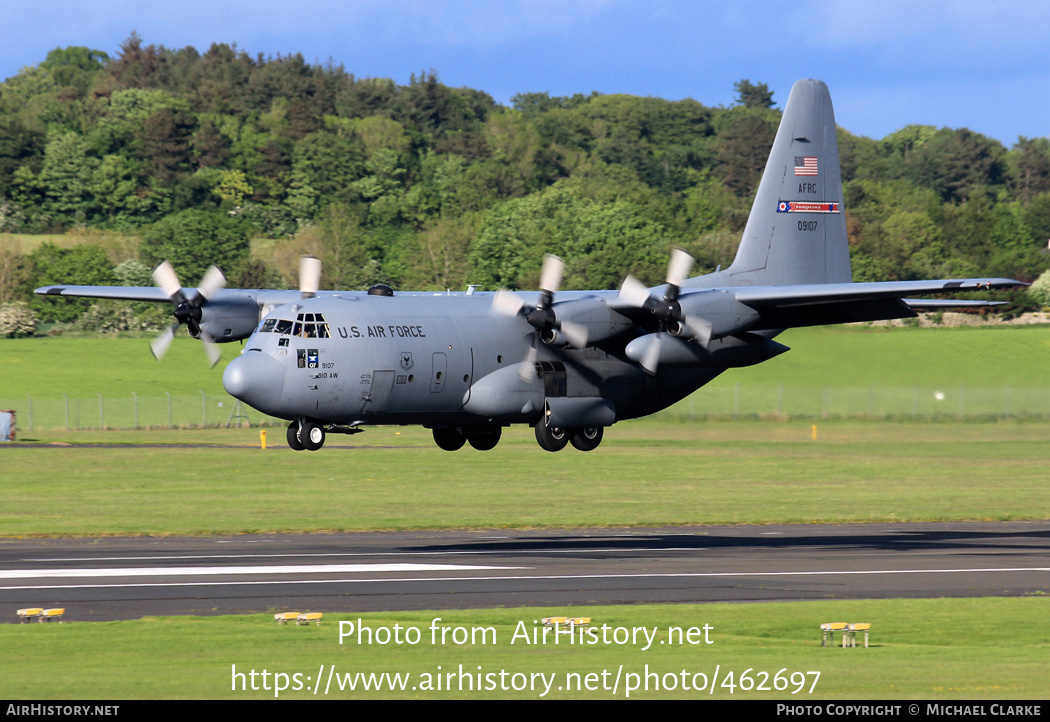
x=527, y=577
x=532, y=552
x=223, y=571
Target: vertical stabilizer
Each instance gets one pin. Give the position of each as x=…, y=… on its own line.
x=796, y=233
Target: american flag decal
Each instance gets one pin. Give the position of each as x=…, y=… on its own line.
x=805, y=165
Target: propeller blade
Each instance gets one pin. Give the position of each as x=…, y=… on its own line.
x=213, y=280
x=527, y=368
x=165, y=277
x=678, y=268
x=309, y=275
x=575, y=334
x=651, y=359
x=633, y=292
x=159, y=345
x=699, y=329
x=550, y=277
x=506, y=303
x=211, y=349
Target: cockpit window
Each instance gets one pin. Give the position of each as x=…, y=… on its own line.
x=311, y=325
x=306, y=325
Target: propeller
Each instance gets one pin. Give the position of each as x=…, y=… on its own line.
x=187, y=310
x=666, y=311
x=309, y=275
x=549, y=328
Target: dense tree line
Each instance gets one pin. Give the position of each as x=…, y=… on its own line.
x=430, y=187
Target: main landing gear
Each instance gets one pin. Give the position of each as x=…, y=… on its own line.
x=552, y=438
x=452, y=438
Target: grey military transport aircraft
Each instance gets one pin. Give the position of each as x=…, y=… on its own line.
x=567, y=363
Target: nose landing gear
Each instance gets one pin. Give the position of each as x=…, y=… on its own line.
x=305, y=434
x=309, y=434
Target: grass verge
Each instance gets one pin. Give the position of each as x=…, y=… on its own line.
x=980, y=648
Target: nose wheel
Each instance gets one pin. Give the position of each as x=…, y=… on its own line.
x=293, y=436
x=305, y=435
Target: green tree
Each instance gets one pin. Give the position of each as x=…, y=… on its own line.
x=164, y=144
x=342, y=244
x=192, y=240
x=85, y=265
x=330, y=164
x=753, y=95
x=600, y=241
x=75, y=67
x=1029, y=162
x=18, y=146
x=744, y=137
x=66, y=178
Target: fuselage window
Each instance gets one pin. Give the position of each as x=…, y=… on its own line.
x=284, y=326
x=267, y=325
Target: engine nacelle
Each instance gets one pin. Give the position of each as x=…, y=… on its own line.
x=228, y=319
x=746, y=349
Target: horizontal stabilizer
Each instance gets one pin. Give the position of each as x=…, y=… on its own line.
x=831, y=303
x=762, y=297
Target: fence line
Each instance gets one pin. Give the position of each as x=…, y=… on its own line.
x=133, y=412
x=722, y=402
x=872, y=402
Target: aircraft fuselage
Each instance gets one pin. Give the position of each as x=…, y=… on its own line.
x=437, y=359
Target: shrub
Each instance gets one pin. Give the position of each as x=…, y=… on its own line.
x=17, y=320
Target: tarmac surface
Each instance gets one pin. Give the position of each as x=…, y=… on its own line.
x=102, y=579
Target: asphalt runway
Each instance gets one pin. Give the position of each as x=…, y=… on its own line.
x=127, y=578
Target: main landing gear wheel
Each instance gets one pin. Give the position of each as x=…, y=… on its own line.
x=587, y=438
x=293, y=436
x=485, y=440
x=311, y=436
x=551, y=439
x=450, y=439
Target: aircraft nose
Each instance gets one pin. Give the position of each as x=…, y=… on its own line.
x=256, y=379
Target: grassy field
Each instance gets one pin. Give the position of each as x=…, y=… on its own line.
x=646, y=473
x=118, y=247
x=660, y=471
x=921, y=649
x=841, y=372
x=859, y=356
x=840, y=357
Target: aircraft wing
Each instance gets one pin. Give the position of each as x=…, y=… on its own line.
x=120, y=293
x=257, y=297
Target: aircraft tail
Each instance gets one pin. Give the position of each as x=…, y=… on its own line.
x=796, y=233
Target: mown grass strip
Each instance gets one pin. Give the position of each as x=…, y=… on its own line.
x=646, y=473
x=982, y=648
